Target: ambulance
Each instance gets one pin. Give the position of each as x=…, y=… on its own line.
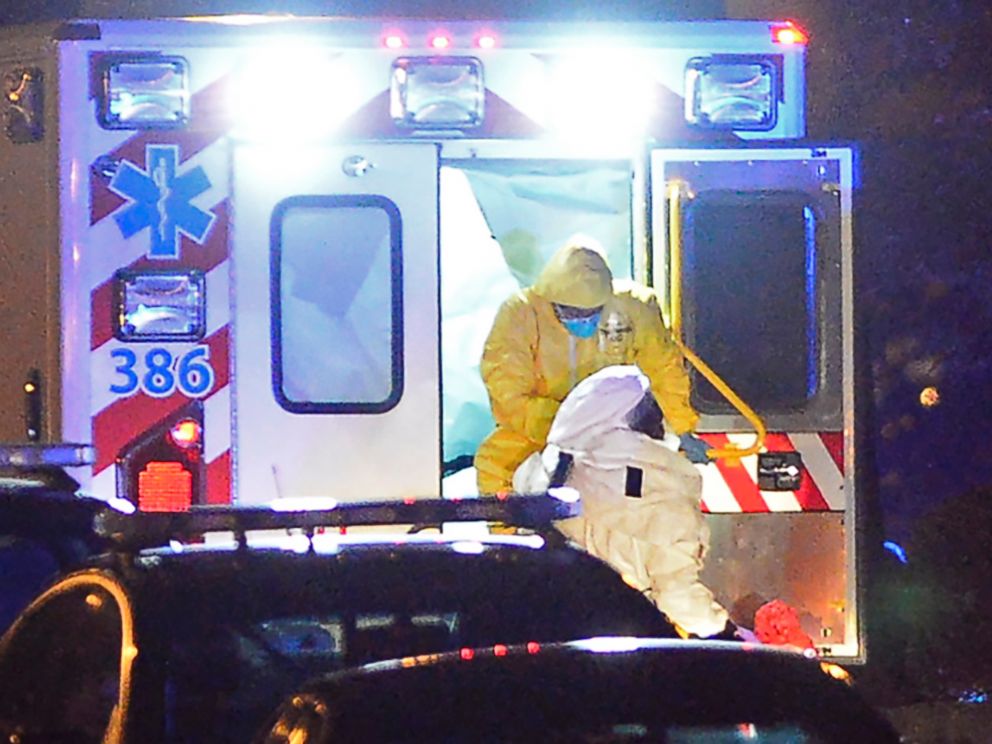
x=252, y=258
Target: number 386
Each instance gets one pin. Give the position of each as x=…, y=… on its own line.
x=159, y=373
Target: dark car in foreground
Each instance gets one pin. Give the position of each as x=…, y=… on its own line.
x=192, y=627
x=597, y=690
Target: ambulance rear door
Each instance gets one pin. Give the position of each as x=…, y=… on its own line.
x=335, y=295
x=752, y=249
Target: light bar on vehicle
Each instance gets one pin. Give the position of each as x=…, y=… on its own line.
x=46, y=455
x=31, y=468
x=145, y=530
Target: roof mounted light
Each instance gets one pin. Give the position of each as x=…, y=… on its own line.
x=485, y=40
x=440, y=41
x=393, y=40
x=144, y=93
x=437, y=92
x=732, y=91
x=789, y=34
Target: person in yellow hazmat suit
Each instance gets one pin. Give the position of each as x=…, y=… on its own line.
x=573, y=321
x=640, y=498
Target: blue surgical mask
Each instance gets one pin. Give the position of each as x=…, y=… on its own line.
x=582, y=327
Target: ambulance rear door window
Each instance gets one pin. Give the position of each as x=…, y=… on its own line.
x=337, y=332
x=751, y=297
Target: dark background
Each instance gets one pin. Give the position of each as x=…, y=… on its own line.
x=910, y=82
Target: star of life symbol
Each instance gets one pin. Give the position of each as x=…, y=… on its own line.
x=162, y=201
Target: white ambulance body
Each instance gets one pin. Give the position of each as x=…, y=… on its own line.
x=251, y=258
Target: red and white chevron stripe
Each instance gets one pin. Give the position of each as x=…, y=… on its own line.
x=117, y=421
x=732, y=487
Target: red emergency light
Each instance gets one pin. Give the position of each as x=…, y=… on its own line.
x=186, y=433
x=789, y=34
x=393, y=40
x=485, y=40
x=165, y=487
x=440, y=40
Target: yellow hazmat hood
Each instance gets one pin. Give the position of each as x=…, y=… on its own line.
x=576, y=275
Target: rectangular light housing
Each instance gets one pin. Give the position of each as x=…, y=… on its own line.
x=149, y=93
x=160, y=306
x=437, y=92
x=732, y=92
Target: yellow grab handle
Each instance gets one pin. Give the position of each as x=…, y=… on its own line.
x=675, y=313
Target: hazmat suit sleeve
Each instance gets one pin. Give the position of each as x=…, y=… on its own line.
x=509, y=372
x=659, y=358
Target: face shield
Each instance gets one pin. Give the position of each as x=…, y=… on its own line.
x=616, y=335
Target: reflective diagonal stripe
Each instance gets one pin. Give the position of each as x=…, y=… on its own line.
x=834, y=442
x=717, y=496
x=732, y=487
x=741, y=483
x=219, y=479
x=121, y=422
x=822, y=468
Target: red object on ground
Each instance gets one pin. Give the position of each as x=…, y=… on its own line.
x=777, y=624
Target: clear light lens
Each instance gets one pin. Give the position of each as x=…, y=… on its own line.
x=730, y=94
x=608, y=645
x=608, y=94
x=292, y=91
x=146, y=94
x=162, y=306
x=468, y=547
x=437, y=92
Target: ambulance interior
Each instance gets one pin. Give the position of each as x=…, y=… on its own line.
x=501, y=219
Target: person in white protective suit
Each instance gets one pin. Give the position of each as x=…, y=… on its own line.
x=640, y=497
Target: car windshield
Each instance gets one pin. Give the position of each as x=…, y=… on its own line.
x=256, y=662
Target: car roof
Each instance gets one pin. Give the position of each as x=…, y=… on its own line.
x=582, y=683
x=503, y=583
